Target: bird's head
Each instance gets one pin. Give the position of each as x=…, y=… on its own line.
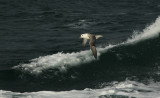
x=84, y=36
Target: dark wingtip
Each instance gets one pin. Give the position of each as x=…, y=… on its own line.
x=95, y=56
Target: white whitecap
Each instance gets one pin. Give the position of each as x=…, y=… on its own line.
x=126, y=88
x=63, y=61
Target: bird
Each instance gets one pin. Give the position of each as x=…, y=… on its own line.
x=92, y=43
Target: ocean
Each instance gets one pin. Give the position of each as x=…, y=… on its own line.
x=41, y=52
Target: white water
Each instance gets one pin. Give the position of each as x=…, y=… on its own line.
x=126, y=88
x=63, y=61
x=151, y=31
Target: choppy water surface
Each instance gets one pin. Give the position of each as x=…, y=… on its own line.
x=42, y=57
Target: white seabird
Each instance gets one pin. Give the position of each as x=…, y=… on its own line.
x=92, y=42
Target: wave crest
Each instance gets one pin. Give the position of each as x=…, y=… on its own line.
x=63, y=61
x=122, y=89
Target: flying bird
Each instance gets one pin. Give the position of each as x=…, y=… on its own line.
x=92, y=42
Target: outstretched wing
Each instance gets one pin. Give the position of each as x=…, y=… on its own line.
x=98, y=36
x=94, y=51
x=84, y=42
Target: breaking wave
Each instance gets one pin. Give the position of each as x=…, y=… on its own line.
x=63, y=61
x=125, y=89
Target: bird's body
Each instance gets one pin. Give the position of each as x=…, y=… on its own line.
x=92, y=42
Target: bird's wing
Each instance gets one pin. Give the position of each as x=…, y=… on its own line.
x=94, y=51
x=98, y=36
x=84, y=42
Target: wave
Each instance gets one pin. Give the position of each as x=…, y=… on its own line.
x=125, y=89
x=63, y=61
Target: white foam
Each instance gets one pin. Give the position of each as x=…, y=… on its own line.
x=126, y=88
x=151, y=31
x=63, y=61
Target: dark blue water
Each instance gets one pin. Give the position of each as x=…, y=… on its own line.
x=36, y=28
